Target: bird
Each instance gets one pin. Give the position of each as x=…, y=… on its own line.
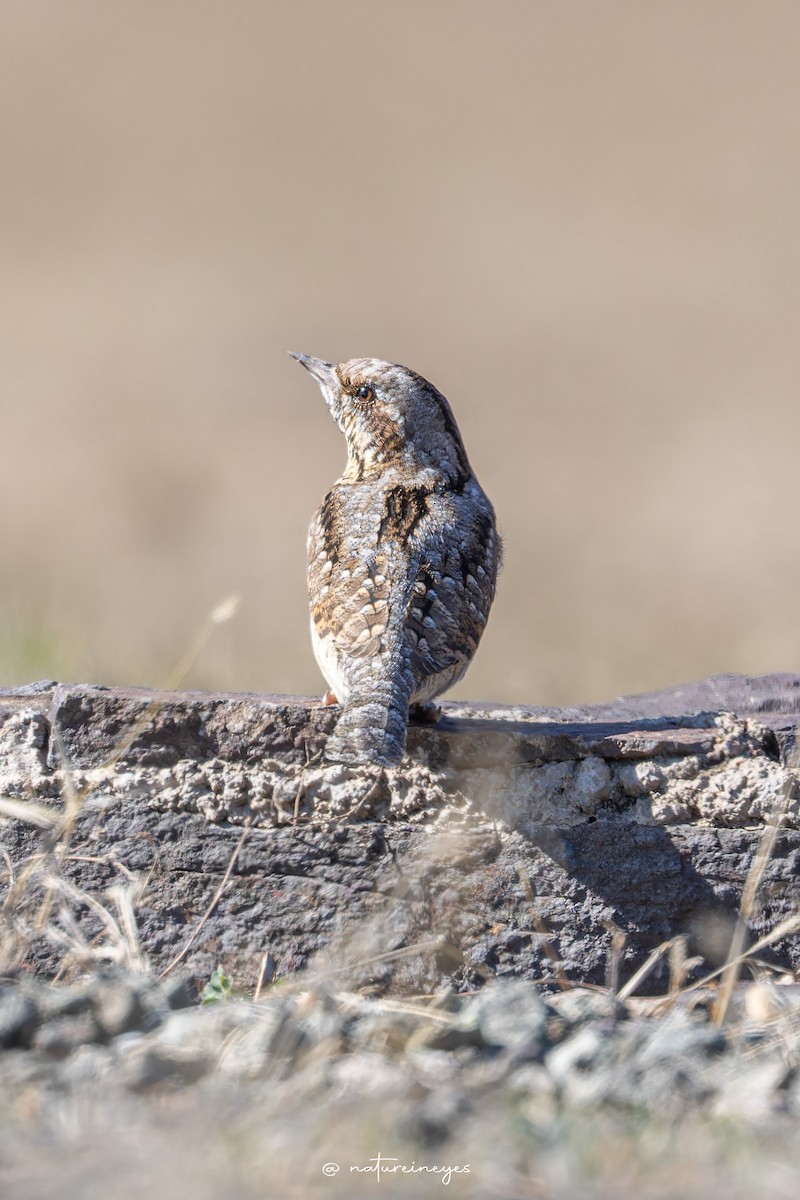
x=403, y=557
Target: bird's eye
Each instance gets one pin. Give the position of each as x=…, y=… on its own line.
x=365, y=392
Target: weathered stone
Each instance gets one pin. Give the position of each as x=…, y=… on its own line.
x=118, y=1006
x=579, y=1005
x=183, y=1049
x=676, y=1039
x=61, y=1036
x=18, y=1016
x=510, y=838
x=65, y=1000
x=513, y=1019
x=577, y=1055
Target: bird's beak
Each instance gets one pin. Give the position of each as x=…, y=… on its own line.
x=323, y=372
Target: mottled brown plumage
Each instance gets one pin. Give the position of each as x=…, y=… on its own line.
x=403, y=556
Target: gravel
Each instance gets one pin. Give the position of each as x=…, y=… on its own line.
x=117, y=1060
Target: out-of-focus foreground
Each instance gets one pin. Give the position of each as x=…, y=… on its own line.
x=544, y=960
x=579, y=221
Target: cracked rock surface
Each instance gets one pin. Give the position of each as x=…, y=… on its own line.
x=506, y=944
x=509, y=838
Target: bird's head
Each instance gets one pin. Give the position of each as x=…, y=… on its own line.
x=391, y=417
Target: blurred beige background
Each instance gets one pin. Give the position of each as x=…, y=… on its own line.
x=579, y=220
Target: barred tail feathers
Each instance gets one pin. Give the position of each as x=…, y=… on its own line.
x=374, y=722
x=369, y=733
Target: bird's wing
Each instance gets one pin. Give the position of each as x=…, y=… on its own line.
x=452, y=594
x=351, y=596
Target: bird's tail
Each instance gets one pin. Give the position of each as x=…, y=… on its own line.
x=370, y=732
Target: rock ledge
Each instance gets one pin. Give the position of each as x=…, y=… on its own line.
x=510, y=839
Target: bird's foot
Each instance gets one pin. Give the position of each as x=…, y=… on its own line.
x=330, y=698
x=427, y=713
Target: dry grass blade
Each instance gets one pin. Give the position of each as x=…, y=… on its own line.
x=73, y=796
x=122, y=898
x=20, y=881
x=356, y=1003
x=69, y=936
x=679, y=964
x=106, y=860
x=618, y=941
x=222, y=612
x=390, y=955
x=785, y=928
x=649, y=964
x=59, y=826
x=262, y=971
x=39, y=878
x=755, y=875
x=61, y=833
x=30, y=813
x=543, y=932
x=214, y=901
x=11, y=873
x=58, y=885
x=371, y=792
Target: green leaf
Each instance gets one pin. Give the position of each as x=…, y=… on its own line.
x=218, y=989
